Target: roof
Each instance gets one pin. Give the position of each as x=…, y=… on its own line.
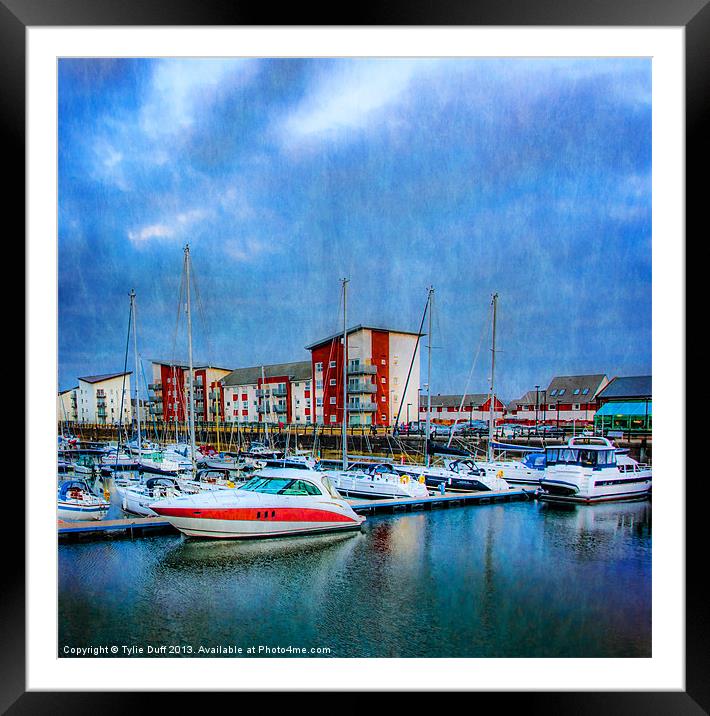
x=102, y=377
x=633, y=386
x=530, y=398
x=625, y=408
x=300, y=370
x=68, y=390
x=357, y=328
x=442, y=401
x=185, y=364
x=570, y=383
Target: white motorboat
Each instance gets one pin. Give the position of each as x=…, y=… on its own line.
x=274, y=503
x=458, y=476
x=135, y=498
x=213, y=479
x=377, y=481
x=75, y=501
x=527, y=472
x=590, y=469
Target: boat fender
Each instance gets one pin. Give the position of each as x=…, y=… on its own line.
x=421, y=479
x=499, y=473
x=230, y=483
x=404, y=479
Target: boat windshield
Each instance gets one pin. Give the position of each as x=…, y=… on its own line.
x=280, y=486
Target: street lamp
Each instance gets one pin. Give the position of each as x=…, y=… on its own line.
x=537, y=404
x=408, y=406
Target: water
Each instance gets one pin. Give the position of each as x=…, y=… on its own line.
x=510, y=580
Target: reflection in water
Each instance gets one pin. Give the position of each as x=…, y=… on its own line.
x=521, y=579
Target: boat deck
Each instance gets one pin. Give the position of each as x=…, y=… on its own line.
x=140, y=526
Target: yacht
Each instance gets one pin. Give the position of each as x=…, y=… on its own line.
x=527, y=472
x=590, y=469
x=274, y=503
x=457, y=476
x=75, y=501
x=136, y=498
x=378, y=481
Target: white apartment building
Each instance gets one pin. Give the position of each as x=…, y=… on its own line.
x=99, y=399
x=66, y=406
x=279, y=393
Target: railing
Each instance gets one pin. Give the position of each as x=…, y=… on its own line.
x=362, y=407
x=279, y=392
x=362, y=388
x=362, y=369
x=280, y=409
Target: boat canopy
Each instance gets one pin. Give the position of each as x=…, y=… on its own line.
x=439, y=449
x=72, y=485
x=516, y=448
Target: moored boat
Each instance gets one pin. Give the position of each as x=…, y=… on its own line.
x=377, y=481
x=590, y=469
x=75, y=501
x=274, y=503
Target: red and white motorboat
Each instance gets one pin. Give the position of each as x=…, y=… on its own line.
x=274, y=503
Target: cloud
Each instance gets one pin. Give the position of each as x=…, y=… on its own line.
x=168, y=229
x=179, y=88
x=350, y=97
x=245, y=250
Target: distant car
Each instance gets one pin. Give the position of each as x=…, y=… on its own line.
x=510, y=430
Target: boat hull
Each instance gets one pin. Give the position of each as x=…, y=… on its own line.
x=586, y=489
x=70, y=512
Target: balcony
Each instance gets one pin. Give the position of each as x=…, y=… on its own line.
x=279, y=408
x=155, y=387
x=279, y=392
x=262, y=393
x=356, y=368
x=362, y=407
x=355, y=388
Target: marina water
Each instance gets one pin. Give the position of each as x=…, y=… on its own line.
x=509, y=580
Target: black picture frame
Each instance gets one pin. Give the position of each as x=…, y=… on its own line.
x=693, y=15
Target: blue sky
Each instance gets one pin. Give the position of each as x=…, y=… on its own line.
x=531, y=178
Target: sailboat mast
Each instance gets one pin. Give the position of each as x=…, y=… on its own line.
x=345, y=373
x=428, y=379
x=191, y=377
x=494, y=303
x=263, y=398
x=135, y=351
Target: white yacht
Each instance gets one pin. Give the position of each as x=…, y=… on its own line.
x=377, y=481
x=591, y=469
x=457, y=476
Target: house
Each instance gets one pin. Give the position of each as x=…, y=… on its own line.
x=447, y=409
x=572, y=397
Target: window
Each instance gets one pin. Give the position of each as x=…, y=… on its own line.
x=575, y=406
x=553, y=392
x=332, y=364
x=576, y=391
x=383, y=416
x=319, y=402
x=319, y=366
x=319, y=385
x=384, y=398
x=308, y=385
x=562, y=392
x=383, y=361
x=585, y=391
x=332, y=418
x=332, y=381
x=332, y=400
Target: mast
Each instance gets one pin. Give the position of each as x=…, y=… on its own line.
x=345, y=373
x=135, y=351
x=191, y=377
x=494, y=303
x=430, y=304
x=263, y=398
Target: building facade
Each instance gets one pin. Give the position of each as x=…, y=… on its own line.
x=67, y=405
x=279, y=393
x=626, y=404
x=169, y=392
x=100, y=399
x=379, y=361
x=447, y=409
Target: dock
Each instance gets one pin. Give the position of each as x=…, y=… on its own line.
x=142, y=526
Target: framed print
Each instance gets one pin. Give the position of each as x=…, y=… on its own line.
x=343, y=339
